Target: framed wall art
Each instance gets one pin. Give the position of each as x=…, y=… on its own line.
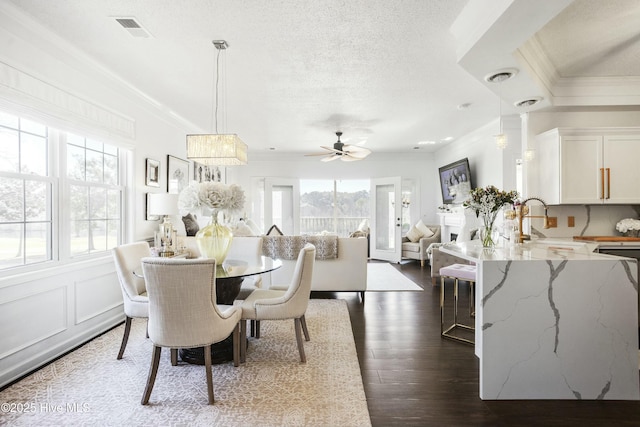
x=152, y=173
x=204, y=173
x=177, y=174
x=455, y=182
x=148, y=216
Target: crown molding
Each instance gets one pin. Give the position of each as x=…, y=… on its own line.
x=576, y=91
x=23, y=27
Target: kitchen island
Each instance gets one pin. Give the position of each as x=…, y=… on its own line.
x=554, y=321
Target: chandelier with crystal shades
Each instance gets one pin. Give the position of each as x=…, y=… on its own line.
x=226, y=149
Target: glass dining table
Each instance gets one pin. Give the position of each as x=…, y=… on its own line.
x=229, y=277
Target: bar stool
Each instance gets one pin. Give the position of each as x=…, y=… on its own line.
x=457, y=272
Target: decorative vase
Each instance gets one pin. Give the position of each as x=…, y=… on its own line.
x=488, y=235
x=214, y=240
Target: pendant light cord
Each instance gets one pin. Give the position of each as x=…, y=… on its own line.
x=500, y=106
x=215, y=98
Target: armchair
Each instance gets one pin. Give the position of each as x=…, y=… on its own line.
x=418, y=250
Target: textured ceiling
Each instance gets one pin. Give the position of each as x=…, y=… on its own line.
x=594, y=38
x=384, y=72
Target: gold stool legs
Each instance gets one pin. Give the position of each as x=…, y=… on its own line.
x=446, y=333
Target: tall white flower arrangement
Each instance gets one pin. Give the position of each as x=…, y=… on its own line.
x=216, y=196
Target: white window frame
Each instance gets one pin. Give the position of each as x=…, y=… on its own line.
x=61, y=212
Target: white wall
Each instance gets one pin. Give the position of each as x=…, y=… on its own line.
x=489, y=164
x=418, y=166
x=48, y=312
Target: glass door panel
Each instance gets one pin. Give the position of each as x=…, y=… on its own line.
x=386, y=219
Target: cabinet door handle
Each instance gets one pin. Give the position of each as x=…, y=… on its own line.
x=608, y=183
x=602, y=183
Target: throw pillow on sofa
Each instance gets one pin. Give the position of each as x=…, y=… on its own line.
x=426, y=231
x=414, y=234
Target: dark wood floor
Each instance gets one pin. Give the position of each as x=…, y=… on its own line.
x=413, y=378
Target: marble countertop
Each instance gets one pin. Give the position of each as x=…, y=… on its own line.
x=539, y=249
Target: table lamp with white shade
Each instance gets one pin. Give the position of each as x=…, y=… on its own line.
x=165, y=204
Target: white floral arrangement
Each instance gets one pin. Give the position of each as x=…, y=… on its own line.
x=215, y=196
x=628, y=224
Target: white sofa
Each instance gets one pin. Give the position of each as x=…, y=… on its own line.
x=346, y=273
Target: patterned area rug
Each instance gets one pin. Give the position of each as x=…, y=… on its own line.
x=383, y=277
x=91, y=387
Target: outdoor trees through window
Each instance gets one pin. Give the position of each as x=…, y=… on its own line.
x=333, y=206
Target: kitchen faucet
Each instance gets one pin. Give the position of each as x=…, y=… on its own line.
x=522, y=210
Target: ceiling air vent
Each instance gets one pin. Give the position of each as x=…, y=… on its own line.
x=133, y=27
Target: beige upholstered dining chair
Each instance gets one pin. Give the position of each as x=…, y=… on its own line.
x=127, y=257
x=183, y=312
x=277, y=304
x=243, y=248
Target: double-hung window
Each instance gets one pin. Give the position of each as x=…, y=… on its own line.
x=60, y=194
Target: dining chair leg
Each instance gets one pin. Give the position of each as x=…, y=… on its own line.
x=303, y=321
x=207, y=368
x=257, y=331
x=243, y=341
x=125, y=337
x=236, y=343
x=153, y=371
x=174, y=357
x=298, y=328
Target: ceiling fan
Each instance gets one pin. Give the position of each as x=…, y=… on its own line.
x=342, y=151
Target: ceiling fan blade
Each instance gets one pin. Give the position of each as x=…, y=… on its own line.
x=350, y=158
x=356, y=149
x=359, y=155
x=345, y=152
x=333, y=150
x=330, y=158
x=317, y=154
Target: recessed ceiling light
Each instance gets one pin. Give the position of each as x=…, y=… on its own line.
x=426, y=142
x=499, y=76
x=528, y=102
x=447, y=139
x=464, y=106
x=272, y=148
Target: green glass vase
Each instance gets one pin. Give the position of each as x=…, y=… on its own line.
x=214, y=240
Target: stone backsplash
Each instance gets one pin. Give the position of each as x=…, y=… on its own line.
x=590, y=220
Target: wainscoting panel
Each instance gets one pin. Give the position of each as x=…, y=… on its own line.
x=40, y=316
x=96, y=295
x=46, y=313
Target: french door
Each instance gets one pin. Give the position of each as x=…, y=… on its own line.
x=282, y=205
x=386, y=219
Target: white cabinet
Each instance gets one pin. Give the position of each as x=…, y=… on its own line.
x=589, y=166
